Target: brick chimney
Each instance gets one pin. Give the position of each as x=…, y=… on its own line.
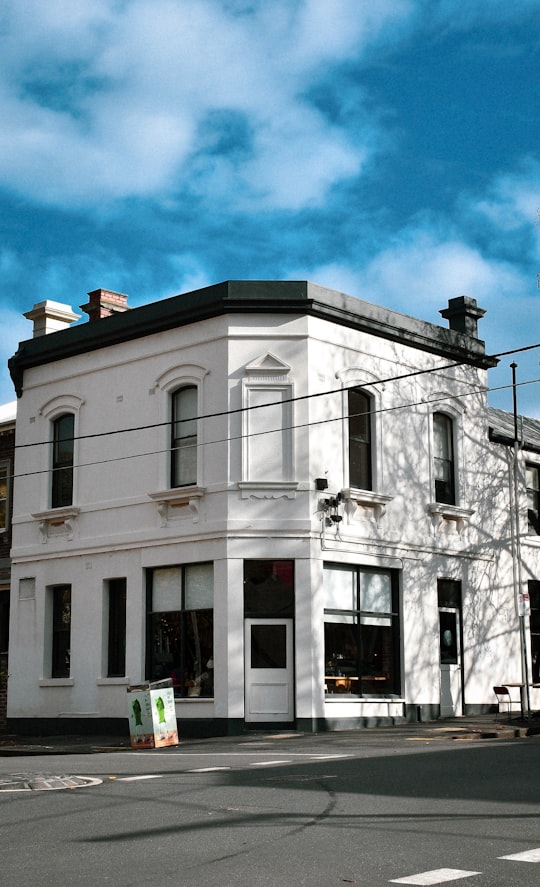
x=463, y=315
x=50, y=317
x=105, y=303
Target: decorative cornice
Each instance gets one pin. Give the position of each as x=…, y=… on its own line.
x=271, y=297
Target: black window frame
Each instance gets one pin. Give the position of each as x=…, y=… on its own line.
x=63, y=457
x=533, y=587
x=269, y=588
x=181, y=667
x=183, y=442
x=61, y=631
x=360, y=437
x=5, y=505
x=444, y=467
x=4, y=619
x=449, y=601
x=116, y=627
x=532, y=470
x=365, y=685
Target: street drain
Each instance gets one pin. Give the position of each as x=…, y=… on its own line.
x=42, y=783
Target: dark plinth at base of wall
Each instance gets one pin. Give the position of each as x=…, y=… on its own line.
x=68, y=727
x=118, y=727
x=422, y=713
x=201, y=729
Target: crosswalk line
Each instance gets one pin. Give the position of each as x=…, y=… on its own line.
x=436, y=876
x=525, y=856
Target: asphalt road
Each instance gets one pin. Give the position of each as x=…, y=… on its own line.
x=264, y=812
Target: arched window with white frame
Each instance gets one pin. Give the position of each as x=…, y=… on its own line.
x=359, y=439
x=184, y=442
x=63, y=429
x=444, y=468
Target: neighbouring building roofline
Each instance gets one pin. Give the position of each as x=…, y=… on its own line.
x=292, y=297
x=501, y=430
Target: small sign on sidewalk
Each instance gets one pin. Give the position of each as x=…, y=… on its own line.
x=152, y=715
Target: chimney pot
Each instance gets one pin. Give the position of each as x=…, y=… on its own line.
x=463, y=315
x=50, y=317
x=105, y=303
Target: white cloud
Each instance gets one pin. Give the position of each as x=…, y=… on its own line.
x=420, y=271
x=107, y=101
x=513, y=199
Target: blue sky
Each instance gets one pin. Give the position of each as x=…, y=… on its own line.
x=386, y=148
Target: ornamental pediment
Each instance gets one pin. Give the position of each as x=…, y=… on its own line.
x=267, y=365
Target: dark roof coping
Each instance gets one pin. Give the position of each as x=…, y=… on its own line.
x=293, y=297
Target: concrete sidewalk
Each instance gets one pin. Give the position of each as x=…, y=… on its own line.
x=451, y=729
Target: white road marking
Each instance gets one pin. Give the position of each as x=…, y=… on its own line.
x=268, y=763
x=207, y=769
x=328, y=757
x=526, y=856
x=138, y=778
x=229, y=754
x=436, y=876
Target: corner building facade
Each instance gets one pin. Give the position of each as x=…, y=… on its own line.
x=282, y=497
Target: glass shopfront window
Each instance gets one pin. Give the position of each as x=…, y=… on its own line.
x=361, y=631
x=180, y=628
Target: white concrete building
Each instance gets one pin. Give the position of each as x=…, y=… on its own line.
x=287, y=499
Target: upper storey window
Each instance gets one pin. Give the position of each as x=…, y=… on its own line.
x=360, y=456
x=184, y=437
x=533, y=498
x=443, y=459
x=4, y=496
x=62, y=460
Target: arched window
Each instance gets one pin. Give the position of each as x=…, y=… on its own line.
x=62, y=460
x=184, y=437
x=359, y=407
x=443, y=459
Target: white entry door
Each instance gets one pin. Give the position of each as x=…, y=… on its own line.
x=450, y=652
x=269, y=672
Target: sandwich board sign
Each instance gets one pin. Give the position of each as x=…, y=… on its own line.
x=152, y=715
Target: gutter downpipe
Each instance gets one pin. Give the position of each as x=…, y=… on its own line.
x=520, y=599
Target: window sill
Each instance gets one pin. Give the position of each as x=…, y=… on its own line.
x=366, y=499
x=178, y=502
x=56, y=521
x=107, y=682
x=372, y=697
x=56, y=682
x=190, y=699
x=449, y=513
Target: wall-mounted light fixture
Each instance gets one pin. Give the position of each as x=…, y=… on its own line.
x=330, y=508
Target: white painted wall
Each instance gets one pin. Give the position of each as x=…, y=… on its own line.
x=119, y=530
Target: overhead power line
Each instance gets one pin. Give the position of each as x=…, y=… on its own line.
x=253, y=434
x=296, y=399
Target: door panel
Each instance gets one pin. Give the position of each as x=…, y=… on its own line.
x=269, y=686
x=451, y=701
